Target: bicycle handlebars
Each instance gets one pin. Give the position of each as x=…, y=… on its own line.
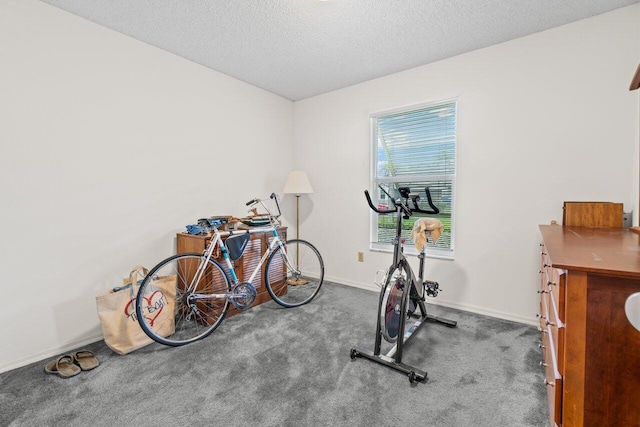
x=404, y=192
x=273, y=196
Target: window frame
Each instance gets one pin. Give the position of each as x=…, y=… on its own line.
x=410, y=249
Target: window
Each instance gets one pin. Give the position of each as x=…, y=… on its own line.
x=414, y=147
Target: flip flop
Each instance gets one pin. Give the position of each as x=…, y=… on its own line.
x=63, y=366
x=86, y=360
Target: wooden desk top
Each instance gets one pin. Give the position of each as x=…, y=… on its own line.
x=609, y=251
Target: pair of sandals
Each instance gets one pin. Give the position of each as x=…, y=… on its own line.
x=69, y=365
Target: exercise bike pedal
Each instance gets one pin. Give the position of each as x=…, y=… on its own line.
x=431, y=288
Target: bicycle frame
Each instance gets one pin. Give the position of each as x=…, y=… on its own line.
x=217, y=241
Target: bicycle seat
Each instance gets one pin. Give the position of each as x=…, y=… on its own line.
x=423, y=228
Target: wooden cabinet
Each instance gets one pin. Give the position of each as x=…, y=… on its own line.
x=245, y=266
x=591, y=353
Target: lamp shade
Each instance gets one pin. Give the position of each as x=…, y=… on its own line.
x=297, y=183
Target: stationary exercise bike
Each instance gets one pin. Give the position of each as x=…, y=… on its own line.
x=403, y=294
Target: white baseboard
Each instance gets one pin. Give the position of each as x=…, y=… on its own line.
x=444, y=303
x=366, y=286
x=487, y=312
x=49, y=353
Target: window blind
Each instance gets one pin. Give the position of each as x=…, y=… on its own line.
x=415, y=148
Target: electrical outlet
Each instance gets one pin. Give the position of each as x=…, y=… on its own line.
x=361, y=256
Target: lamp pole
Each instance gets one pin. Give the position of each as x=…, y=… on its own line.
x=297, y=219
x=297, y=184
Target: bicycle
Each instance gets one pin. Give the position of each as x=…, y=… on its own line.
x=402, y=293
x=203, y=289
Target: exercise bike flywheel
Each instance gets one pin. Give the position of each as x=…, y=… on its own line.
x=391, y=307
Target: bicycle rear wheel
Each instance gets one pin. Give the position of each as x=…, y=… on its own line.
x=173, y=308
x=294, y=273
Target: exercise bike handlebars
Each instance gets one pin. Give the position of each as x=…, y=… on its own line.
x=434, y=209
x=407, y=210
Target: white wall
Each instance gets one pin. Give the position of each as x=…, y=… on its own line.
x=541, y=120
x=106, y=151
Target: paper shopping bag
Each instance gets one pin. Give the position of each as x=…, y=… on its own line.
x=117, y=311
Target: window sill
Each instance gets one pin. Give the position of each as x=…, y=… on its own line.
x=410, y=250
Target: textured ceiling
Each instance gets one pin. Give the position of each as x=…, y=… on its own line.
x=301, y=48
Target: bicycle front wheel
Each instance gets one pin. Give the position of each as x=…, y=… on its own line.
x=294, y=273
x=182, y=299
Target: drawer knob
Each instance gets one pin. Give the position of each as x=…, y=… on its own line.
x=543, y=364
x=541, y=346
x=552, y=284
x=550, y=323
x=549, y=383
x=542, y=331
x=542, y=291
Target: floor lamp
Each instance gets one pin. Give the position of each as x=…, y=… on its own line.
x=297, y=184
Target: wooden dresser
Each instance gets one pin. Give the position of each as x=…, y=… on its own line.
x=591, y=353
x=244, y=267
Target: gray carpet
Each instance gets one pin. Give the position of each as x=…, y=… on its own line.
x=291, y=367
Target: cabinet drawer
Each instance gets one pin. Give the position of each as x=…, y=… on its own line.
x=549, y=286
x=556, y=284
x=553, y=379
x=557, y=329
x=545, y=264
x=544, y=313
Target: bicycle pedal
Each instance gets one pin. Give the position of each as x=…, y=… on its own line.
x=431, y=288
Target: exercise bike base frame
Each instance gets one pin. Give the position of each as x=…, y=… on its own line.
x=388, y=360
x=418, y=374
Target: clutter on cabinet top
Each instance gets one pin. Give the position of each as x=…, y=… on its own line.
x=256, y=221
x=228, y=223
x=205, y=225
